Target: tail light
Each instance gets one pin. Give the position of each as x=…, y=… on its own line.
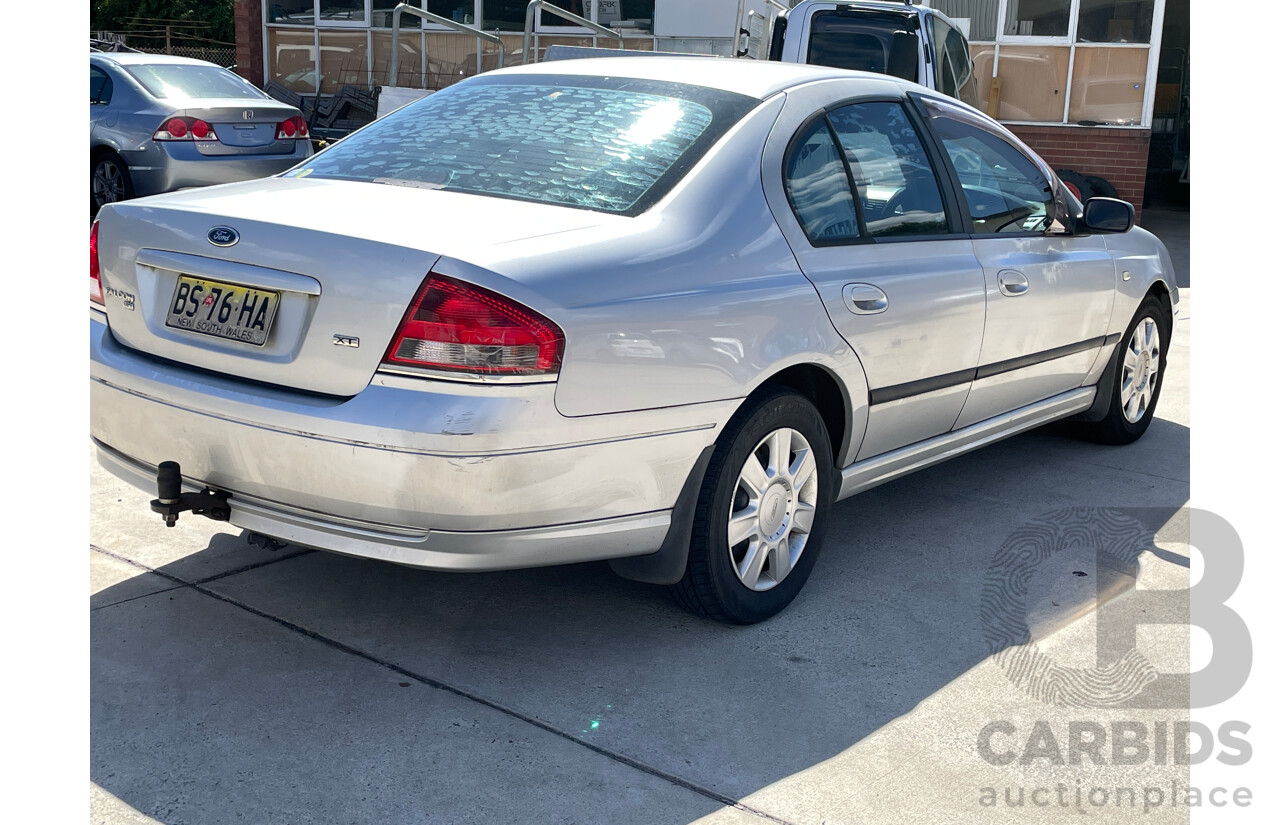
x=185, y=128
x=294, y=127
x=95, y=278
x=460, y=327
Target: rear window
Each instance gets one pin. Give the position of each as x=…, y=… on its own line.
x=605, y=144
x=177, y=81
x=855, y=40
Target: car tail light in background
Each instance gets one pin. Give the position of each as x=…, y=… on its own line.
x=294, y=127
x=460, y=327
x=184, y=128
x=95, y=279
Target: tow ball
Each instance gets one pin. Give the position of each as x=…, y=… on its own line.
x=172, y=500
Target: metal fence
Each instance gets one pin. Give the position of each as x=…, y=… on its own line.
x=223, y=56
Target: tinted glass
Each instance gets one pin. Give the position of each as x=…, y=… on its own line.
x=818, y=187
x=853, y=40
x=176, y=80
x=99, y=86
x=1040, y=18
x=1004, y=189
x=612, y=145
x=891, y=172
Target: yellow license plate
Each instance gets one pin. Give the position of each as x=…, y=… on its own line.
x=237, y=313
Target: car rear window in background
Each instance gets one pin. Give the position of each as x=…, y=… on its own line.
x=174, y=80
x=606, y=144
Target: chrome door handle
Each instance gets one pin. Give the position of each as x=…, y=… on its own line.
x=865, y=299
x=1012, y=283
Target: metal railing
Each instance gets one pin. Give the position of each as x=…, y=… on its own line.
x=392, y=71
x=530, y=15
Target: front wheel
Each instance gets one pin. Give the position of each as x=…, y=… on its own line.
x=1139, y=375
x=761, y=512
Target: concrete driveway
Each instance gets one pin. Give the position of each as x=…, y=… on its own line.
x=232, y=684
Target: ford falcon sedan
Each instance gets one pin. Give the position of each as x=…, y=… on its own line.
x=657, y=311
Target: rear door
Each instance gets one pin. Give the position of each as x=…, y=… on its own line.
x=1049, y=294
x=870, y=225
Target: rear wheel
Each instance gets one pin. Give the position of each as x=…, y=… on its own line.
x=761, y=513
x=109, y=181
x=1139, y=376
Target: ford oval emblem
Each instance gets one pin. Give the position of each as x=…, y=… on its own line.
x=223, y=236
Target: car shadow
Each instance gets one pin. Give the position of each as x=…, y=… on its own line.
x=346, y=689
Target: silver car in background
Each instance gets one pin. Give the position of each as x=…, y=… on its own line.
x=660, y=311
x=160, y=123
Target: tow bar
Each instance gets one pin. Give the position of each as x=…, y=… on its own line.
x=173, y=501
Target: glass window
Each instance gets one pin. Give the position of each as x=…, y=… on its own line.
x=341, y=12
x=955, y=67
x=1037, y=18
x=1033, y=82
x=179, y=80
x=382, y=14
x=891, y=172
x=1115, y=21
x=818, y=187
x=548, y=20
x=1107, y=86
x=981, y=14
x=292, y=12
x=343, y=60
x=1004, y=189
x=99, y=86
x=292, y=59
x=854, y=40
x=610, y=145
x=504, y=15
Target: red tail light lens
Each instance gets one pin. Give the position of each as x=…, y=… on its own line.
x=294, y=127
x=456, y=326
x=184, y=128
x=95, y=278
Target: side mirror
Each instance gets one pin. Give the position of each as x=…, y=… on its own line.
x=1108, y=215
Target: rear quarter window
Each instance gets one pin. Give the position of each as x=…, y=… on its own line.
x=605, y=144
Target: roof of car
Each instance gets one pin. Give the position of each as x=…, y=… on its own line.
x=754, y=78
x=145, y=59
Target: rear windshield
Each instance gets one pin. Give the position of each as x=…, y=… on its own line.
x=606, y=144
x=174, y=81
x=855, y=40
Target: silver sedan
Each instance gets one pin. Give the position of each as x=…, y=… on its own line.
x=659, y=311
x=159, y=123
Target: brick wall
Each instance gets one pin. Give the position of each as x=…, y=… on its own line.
x=249, y=40
x=1119, y=155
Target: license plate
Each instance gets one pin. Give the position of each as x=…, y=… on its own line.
x=237, y=313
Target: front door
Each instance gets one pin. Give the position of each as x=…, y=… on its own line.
x=1049, y=294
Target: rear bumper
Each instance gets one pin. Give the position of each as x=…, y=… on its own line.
x=166, y=168
x=489, y=477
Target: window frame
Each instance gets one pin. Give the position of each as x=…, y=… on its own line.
x=958, y=224
x=922, y=103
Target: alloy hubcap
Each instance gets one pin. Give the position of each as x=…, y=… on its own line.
x=773, y=508
x=1140, y=371
x=108, y=183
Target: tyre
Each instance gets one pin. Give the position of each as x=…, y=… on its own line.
x=1077, y=183
x=1139, y=371
x=109, y=180
x=1101, y=187
x=761, y=512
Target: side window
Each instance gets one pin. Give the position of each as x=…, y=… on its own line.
x=99, y=86
x=818, y=187
x=894, y=180
x=1003, y=188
